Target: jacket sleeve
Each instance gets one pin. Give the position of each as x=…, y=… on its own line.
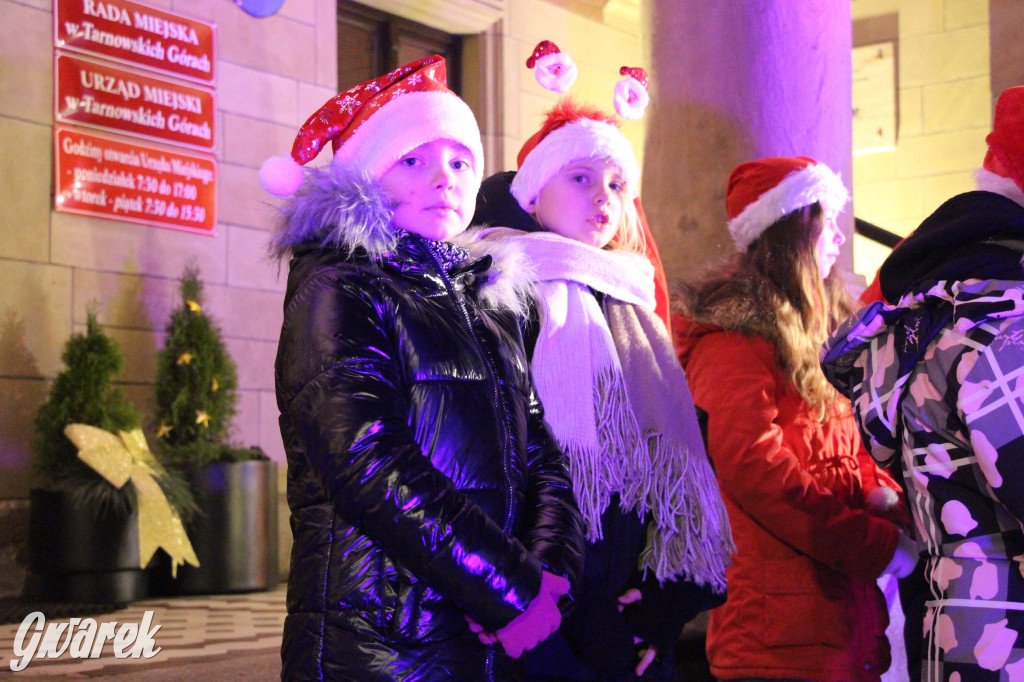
x=733, y=378
x=553, y=528
x=666, y=607
x=991, y=405
x=351, y=418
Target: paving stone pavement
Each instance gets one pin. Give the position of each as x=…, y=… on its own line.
x=214, y=637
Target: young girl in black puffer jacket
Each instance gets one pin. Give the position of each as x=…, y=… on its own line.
x=425, y=492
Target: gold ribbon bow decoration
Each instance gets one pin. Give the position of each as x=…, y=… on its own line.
x=126, y=456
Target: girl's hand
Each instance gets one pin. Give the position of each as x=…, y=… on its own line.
x=540, y=619
x=485, y=637
x=630, y=596
x=647, y=657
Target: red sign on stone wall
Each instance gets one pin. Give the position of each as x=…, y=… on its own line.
x=100, y=176
x=91, y=93
x=138, y=34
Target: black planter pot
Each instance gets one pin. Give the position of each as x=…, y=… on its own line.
x=82, y=553
x=234, y=536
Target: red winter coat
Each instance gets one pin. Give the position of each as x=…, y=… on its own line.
x=802, y=600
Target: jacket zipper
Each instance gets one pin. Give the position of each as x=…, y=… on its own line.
x=497, y=403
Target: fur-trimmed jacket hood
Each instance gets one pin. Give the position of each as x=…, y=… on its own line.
x=735, y=308
x=338, y=207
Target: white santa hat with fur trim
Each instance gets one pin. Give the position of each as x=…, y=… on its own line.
x=762, y=192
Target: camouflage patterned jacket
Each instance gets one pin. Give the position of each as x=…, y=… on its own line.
x=937, y=385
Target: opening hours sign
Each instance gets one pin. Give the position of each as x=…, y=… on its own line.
x=104, y=177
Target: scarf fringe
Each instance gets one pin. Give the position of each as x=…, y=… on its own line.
x=600, y=472
x=618, y=433
x=690, y=535
x=592, y=494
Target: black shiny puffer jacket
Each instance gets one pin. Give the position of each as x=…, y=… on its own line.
x=422, y=482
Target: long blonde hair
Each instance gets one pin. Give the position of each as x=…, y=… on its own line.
x=778, y=283
x=630, y=235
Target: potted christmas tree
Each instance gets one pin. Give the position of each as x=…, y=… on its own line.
x=235, y=531
x=84, y=541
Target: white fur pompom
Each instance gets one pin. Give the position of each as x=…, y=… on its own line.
x=881, y=499
x=281, y=176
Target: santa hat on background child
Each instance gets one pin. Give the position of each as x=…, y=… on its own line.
x=762, y=192
x=573, y=131
x=1003, y=169
x=373, y=124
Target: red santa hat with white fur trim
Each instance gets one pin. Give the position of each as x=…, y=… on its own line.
x=373, y=124
x=572, y=131
x=762, y=192
x=1003, y=169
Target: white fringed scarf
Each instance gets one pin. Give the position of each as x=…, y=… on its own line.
x=627, y=423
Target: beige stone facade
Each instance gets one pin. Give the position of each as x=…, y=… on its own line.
x=944, y=97
x=273, y=73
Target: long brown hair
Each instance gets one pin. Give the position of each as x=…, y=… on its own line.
x=778, y=285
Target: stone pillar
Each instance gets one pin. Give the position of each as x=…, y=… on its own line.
x=734, y=81
x=1006, y=51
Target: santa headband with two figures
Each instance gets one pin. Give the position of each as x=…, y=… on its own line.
x=572, y=131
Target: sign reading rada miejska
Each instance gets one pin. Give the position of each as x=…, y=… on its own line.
x=112, y=62
x=137, y=34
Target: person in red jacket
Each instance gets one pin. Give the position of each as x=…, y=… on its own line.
x=815, y=521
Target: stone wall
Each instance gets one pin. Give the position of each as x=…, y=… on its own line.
x=943, y=107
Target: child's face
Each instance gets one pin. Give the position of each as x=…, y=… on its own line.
x=826, y=247
x=583, y=201
x=433, y=188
